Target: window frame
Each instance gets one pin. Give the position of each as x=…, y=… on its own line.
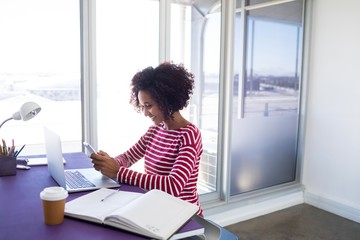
x=221, y=197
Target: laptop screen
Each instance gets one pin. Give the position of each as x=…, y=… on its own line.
x=54, y=156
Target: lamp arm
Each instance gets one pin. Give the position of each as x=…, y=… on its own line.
x=5, y=121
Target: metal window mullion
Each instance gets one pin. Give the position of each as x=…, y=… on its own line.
x=242, y=66
x=304, y=84
x=164, y=30
x=88, y=71
x=225, y=93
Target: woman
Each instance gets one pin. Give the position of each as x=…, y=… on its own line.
x=171, y=147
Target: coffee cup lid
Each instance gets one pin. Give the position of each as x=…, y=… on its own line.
x=53, y=193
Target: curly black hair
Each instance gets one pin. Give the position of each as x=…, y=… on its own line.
x=169, y=84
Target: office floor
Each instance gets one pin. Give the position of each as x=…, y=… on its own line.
x=301, y=222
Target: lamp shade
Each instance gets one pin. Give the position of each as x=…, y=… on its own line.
x=29, y=110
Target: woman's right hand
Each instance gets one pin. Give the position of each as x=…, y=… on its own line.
x=107, y=165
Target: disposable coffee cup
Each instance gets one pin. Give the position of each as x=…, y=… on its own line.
x=53, y=202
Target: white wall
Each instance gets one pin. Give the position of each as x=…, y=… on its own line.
x=331, y=167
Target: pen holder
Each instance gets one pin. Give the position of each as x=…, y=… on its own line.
x=7, y=166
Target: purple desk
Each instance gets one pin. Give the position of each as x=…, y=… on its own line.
x=21, y=214
x=21, y=210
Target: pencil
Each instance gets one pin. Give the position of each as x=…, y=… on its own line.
x=20, y=150
x=106, y=197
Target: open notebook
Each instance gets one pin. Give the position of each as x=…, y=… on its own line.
x=73, y=180
x=154, y=214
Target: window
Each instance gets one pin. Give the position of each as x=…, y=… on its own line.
x=40, y=62
x=195, y=42
x=122, y=49
x=272, y=64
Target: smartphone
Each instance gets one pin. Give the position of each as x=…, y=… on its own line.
x=89, y=148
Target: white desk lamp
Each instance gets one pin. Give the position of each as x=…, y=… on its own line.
x=27, y=111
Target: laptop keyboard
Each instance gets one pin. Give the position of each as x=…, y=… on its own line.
x=75, y=179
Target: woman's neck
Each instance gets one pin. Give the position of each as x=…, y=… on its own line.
x=175, y=123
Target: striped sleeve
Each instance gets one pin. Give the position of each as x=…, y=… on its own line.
x=171, y=163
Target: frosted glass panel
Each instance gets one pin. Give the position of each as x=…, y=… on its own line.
x=264, y=153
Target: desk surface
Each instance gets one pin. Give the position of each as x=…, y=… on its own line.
x=21, y=214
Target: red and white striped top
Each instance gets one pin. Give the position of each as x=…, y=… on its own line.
x=171, y=160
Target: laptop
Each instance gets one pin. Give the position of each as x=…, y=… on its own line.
x=73, y=180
